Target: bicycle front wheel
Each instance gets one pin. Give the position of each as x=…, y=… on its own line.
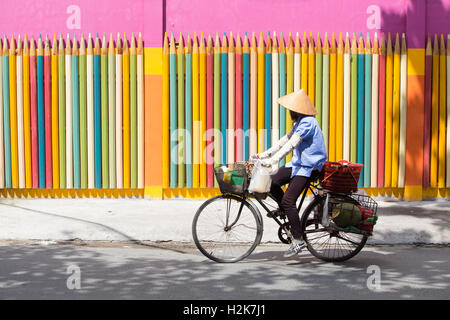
x=227, y=228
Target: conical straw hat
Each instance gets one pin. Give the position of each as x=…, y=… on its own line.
x=299, y=102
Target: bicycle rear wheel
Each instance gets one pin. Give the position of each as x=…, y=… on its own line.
x=328, y=243
x=227, y=228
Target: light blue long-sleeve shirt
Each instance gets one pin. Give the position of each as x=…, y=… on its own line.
x=310, y=153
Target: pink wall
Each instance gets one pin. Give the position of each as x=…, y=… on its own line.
x=83, y=16
x=210, y=16
x=285, y=15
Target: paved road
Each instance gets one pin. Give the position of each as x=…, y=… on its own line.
x=161, y=271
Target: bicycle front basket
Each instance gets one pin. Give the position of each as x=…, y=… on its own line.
x=232, y=178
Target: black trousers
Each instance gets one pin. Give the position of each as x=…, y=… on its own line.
x=287, y=200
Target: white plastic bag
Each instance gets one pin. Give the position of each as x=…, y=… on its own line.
x=260, y=180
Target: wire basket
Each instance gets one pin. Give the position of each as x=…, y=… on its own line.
x=366, y=202
x=232, y=178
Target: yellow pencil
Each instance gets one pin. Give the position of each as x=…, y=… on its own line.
x=195, y=115
x=389, y=101
x=126, y=112
x=395, y=113
x=442, y=114
x=26, y=111
x=289, y=83
x=261, y=52
x=55, y=123
x=311, y=69
x=339, y=99
x=13, y=113
x=434, y=116
x=304, y=64
x=165, y=113
x=333, y=93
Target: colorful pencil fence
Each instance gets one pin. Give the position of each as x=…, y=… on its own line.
x=60, y=114
x=358, y=84
x=72, y=109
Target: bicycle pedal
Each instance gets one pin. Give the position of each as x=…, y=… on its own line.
x=276, y=213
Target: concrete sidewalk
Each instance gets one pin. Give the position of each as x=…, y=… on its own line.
x=399, y=222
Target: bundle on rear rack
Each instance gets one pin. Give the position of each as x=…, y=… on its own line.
x=340, y=176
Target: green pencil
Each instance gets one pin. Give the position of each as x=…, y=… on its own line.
x=133, y=113
x=104, y=113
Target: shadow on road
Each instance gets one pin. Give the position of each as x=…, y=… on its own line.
x=40, y=272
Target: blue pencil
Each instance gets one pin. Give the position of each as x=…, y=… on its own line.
x=282, y=68
x=40, y=113
x=97, y=118
x=75, y=117
x=6, y=120
x=360, y=121
x=367, y=113
x=267, y=94
x=173, y=113
x=246, y=98
x=188, y=114
x=224, y=99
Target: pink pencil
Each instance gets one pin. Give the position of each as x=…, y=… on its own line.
x=381, y=111
x=238, y=133
x=33, y=116
x=209, y=115
x=48, y=116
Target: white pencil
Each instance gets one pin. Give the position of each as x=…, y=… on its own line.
x=297, y=64
x=90, y=112
x=20, y=136
x=69, y=147
x=112, y=112
x=374, y=126
x=140, y=111
x=119, y=159
x=231, y=100
x=402, y=140
x=347, y=71
x=275, y=92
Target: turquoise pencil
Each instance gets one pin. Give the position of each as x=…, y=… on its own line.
x=188, y=112
x=173, y=112
x=267, y=93
x=75, y=117
x=40, y=113
x=246, y=97
x=224, y=99
x=97, y=116
x=360, y=120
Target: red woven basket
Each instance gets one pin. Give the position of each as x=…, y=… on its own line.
x=340, y=176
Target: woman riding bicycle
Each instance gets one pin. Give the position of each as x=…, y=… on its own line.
x=309, y=154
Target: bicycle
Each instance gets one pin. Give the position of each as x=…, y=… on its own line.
x=236, y=233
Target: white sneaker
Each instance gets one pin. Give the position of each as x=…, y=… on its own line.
x=296, y=248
